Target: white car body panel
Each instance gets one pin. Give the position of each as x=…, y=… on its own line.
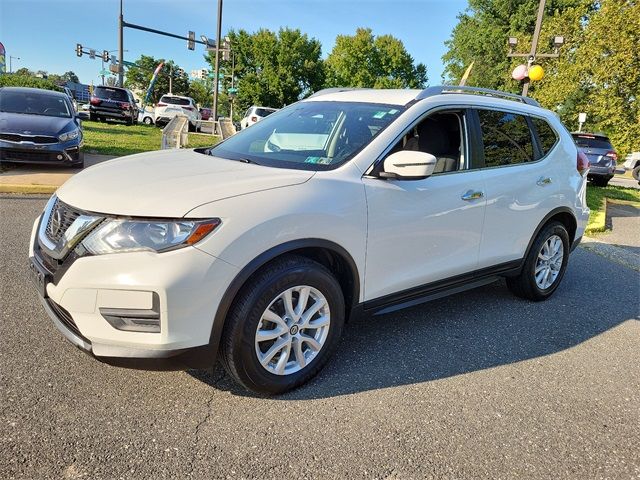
x=175, y=182
x=400, y=234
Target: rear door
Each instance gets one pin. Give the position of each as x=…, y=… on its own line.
x=523, y=183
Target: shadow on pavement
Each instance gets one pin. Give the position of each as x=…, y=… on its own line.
x=472, y=331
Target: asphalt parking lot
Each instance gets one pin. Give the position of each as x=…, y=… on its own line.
x=478, y=385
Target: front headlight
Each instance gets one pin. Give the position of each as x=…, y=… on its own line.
x=123, y=235
x=69, y=135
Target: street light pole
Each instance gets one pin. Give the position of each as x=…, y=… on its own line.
x=217, y=67
x=120, y=48
x=10, y=65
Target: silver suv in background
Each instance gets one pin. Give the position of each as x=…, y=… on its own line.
x=254, y=115
x=601, y=155
x=171, y=105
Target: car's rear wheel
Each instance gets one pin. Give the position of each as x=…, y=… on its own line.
x=600, y=182
x=147, y=120
x=544, y=266
x=636, y=173
x=283, y=326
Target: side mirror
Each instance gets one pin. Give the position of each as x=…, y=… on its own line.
x=408, y=165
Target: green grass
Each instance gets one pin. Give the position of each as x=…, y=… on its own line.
x=596, y=201
x=120, y=139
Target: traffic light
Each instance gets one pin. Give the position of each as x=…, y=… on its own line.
x=105, y=56
x=78, y=49
x=203, y=73
x=191, y=44
x=180, y=72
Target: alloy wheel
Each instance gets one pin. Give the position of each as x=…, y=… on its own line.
x=549, y=262
x=292, y=330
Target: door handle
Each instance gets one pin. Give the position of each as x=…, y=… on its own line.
x=472, y=195
x=542, y=181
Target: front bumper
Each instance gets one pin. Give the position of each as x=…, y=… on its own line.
x=188, y=283
x=61, y=153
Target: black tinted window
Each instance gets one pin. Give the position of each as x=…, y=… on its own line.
x=111, y=94
x=507, y=138
x=591, y=141
x=546, y=135
x=263, y=112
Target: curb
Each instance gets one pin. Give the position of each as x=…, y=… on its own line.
x=28, y=189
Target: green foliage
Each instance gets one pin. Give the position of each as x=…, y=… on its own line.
x=23, y=71
x=120, y=139
x=596, y=201
x=139, y=77
x=14, y=80
x=363, y=60
x=597, y=71
x=272, y=68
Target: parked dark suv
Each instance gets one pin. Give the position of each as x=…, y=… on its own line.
x=113, y=103
x=602, y=156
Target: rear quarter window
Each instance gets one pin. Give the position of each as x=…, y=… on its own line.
x=546, y=135
x=175, y=100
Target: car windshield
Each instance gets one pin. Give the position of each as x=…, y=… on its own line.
x=34, y=103
x=312, y=135
x=175, y=100
x=111, y=94
x=591, y=141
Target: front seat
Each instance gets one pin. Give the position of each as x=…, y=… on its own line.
x=434, y=139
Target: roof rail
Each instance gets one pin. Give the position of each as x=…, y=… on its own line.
x=327, y=91
x=431, y=91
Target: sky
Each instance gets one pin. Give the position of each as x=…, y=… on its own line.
x=44, y=33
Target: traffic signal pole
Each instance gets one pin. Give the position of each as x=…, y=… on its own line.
x=120, y=48
x=216, y=78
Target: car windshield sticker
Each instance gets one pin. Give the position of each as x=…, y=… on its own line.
x=379, y=114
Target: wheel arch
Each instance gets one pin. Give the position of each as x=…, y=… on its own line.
x=333, y=256
x=563, y=215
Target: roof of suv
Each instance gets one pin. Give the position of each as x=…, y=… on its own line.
x=403, y=97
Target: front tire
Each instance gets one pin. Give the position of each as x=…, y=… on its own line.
x=544, y=266
x=147, y=120
x=284, y=325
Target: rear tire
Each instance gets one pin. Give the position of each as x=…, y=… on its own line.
x=286, y=358
x=635, y=173
x=531, y=283
x=147, y=120
x=600, y=182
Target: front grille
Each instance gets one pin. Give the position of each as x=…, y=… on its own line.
x=16, y=155
x=37, y=139
x=61, y=218
x=64, y=317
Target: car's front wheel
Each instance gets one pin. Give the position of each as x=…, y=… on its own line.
x=284, y=325
x=544, y=266
x=147, y=120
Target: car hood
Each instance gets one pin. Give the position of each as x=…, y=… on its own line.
x=26, y=124
x=169, y=183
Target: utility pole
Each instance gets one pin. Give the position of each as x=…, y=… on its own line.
x=558, y=41
x=534, y=44
x=217, y=68
x=120, y=48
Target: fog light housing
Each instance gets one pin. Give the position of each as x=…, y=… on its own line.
x=59, y=157
x=134, y=319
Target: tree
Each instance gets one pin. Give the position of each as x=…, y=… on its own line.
x=272, y=68
x=24, y=71
x=482, y=31
x=363, y=60
x=139, y=77
x=70, y=77
x=596, y=73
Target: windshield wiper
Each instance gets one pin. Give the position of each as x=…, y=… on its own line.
x=238, y=159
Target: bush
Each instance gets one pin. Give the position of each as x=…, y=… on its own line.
x=12, y=80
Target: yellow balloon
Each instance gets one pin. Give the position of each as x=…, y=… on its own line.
x=536, y=72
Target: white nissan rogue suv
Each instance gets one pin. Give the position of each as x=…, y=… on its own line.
x=350, y=202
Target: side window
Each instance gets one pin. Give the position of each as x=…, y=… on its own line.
x=547, y=135
x=442, y=135
x=507, y=138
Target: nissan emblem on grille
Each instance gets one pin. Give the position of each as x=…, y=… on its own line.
x=60, y=219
